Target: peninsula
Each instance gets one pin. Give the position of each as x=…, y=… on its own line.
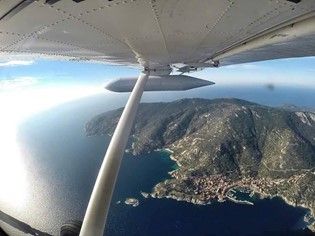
x=226, y=145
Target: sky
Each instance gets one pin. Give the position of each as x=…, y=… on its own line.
x=52, y=74
x=31, y=86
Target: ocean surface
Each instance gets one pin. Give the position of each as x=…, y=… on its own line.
x=58, y=165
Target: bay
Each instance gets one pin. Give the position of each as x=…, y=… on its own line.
x=170, y=217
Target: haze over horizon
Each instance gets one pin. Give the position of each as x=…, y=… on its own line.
x=37, y=85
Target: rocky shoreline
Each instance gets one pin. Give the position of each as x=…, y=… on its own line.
x=222, y=186
x=132, y=201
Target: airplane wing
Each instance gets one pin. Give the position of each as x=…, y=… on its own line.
x=157, y=34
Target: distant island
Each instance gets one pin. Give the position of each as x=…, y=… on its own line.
x=225, y=148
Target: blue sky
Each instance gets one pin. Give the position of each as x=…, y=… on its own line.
x=30, y=86
x=51, y=74
x=59, y=73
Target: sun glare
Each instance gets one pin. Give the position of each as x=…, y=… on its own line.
x=13, y=177
x=16, y=106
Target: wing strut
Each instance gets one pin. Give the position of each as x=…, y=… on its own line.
x=96, y=213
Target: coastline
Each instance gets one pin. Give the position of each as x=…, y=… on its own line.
x=168, y=150
x=224, y=197
x=262, y=195
x=311, y=226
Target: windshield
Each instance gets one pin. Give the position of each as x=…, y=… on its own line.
x=234, y=158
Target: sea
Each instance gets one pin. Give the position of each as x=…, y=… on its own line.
x=57, y=165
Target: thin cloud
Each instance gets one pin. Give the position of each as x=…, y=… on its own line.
x=251, y=66
x=16, y=63
x=245, y=66
x=17, y=82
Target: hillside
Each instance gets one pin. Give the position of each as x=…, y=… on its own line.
x=226, y=143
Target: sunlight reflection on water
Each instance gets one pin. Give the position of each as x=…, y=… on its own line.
x=13, y=175
x=23, y=190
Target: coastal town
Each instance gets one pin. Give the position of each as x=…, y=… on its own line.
x=204, y=190
x=209, y=189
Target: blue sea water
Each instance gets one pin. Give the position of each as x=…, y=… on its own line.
x=170, y=217
x=62, y=165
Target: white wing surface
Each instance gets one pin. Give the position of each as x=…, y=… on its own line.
x=157, y=34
